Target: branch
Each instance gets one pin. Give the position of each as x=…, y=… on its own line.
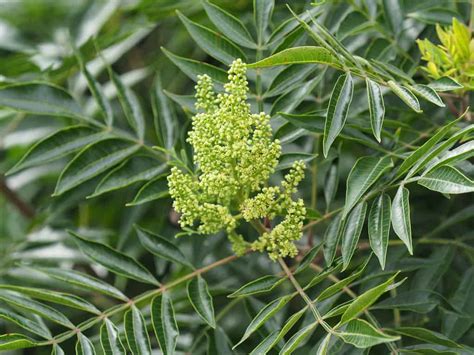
x=24, y=208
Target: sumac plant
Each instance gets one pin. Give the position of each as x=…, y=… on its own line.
x=218, y=177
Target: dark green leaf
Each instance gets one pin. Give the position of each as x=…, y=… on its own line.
x=448, y=180
x=113, y=260
x=287, y=159
x=262, y=12
x=376, y=107
x=405, y=95
x=445, y=84
x=136, y=332
x=379, y=227
x=400, y=215
x=151, y=191
x=164, y=116
x=308, y=258
x=297, y=338
x=351, y=233
x=164, y=323
x=84, y=345
x=331, y=238
x=260, y=285
x=363, y=335
x=426, y=335
x=110, y=339
x=416, y=301
x=25, y=323
x=428, y=93
x=201, y=300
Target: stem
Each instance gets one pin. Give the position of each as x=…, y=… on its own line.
x=24, y=208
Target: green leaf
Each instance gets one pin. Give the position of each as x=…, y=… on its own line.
x=266, y=344
x=447, y=180
x=323, y=275
x=229, y=25
x=40, y=99
x=331, y=182
x=211, y=42
x=26, y=323
x=308, y=258
x=420, y=301
x=130, y=105
x=400, y=214
x=193, y=68
x=460, y=153
x=164, y=323
x=201, y=300
x=56, y=350
x=445, y=84
x=93, y=160
x=54, y=297
x=405, y=95
x=110, y=339
x=363, y=335
x=379, y=227
x=426, y=335
x=352, y=230
x=394, y=15
x=151, y=191
x=260, y=285
x=297, y=338
x=218, y=342
x=57, y=145
x=35, y=307
x=365, y=300
x=113, y=260
x=84, y=345
x=324, y=345
x=82, y=281
x=376, y=107
x=331, y=238
x=164, y=116
x=263, y=316
x=297, y=55
x=98, y=94
x=428, y=93
x=338, y=108
x=287, y=159
x=421, y=152
x=136, y=332
x=365, y=172
x=338, y=286
x=161, y=247
x=135, y=169
x=262, y=12
x=288, y=79
x=434, y=16
x=14, y=341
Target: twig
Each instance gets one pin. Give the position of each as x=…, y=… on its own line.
x=25, y=209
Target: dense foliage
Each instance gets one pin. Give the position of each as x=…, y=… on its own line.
x=236, y=177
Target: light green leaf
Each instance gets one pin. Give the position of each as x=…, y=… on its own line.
x=263, y=316
x=400, y=214
x=376, y=107
x=338, y=108
x=164, y=323
x=82, y=281
x=445, y=84
x=130, y=105
x=421, y=152
x=447, y=180
x=297, y=55
x=84, y=345
x=163, y=116
x=229, y=25
x=260, y=285
x=365, y=172
x=428, y=93
x=426, y=335
x=57, y=145
x=151, y=191
x=110, y=339
x=193, y=68
x=352, y=230
x=460, y=153
x=365, y=300
x=308, y=258
x=161, y=247
x=25, y=323
x=14, y=341
x=40, y=99
x=331, y=238
x=136, y=332
x=297, y=338
x=93, y=160
x=201, y=300
x=113, y=260
x=262, y=12
x=35, y=307
x=54, y=297
x=211, y=42
x=135, y=169
x=363, y=335
x=379, y=227
x=405, y=95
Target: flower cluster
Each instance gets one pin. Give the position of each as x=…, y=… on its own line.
x=235, y=154
x=454, y=57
